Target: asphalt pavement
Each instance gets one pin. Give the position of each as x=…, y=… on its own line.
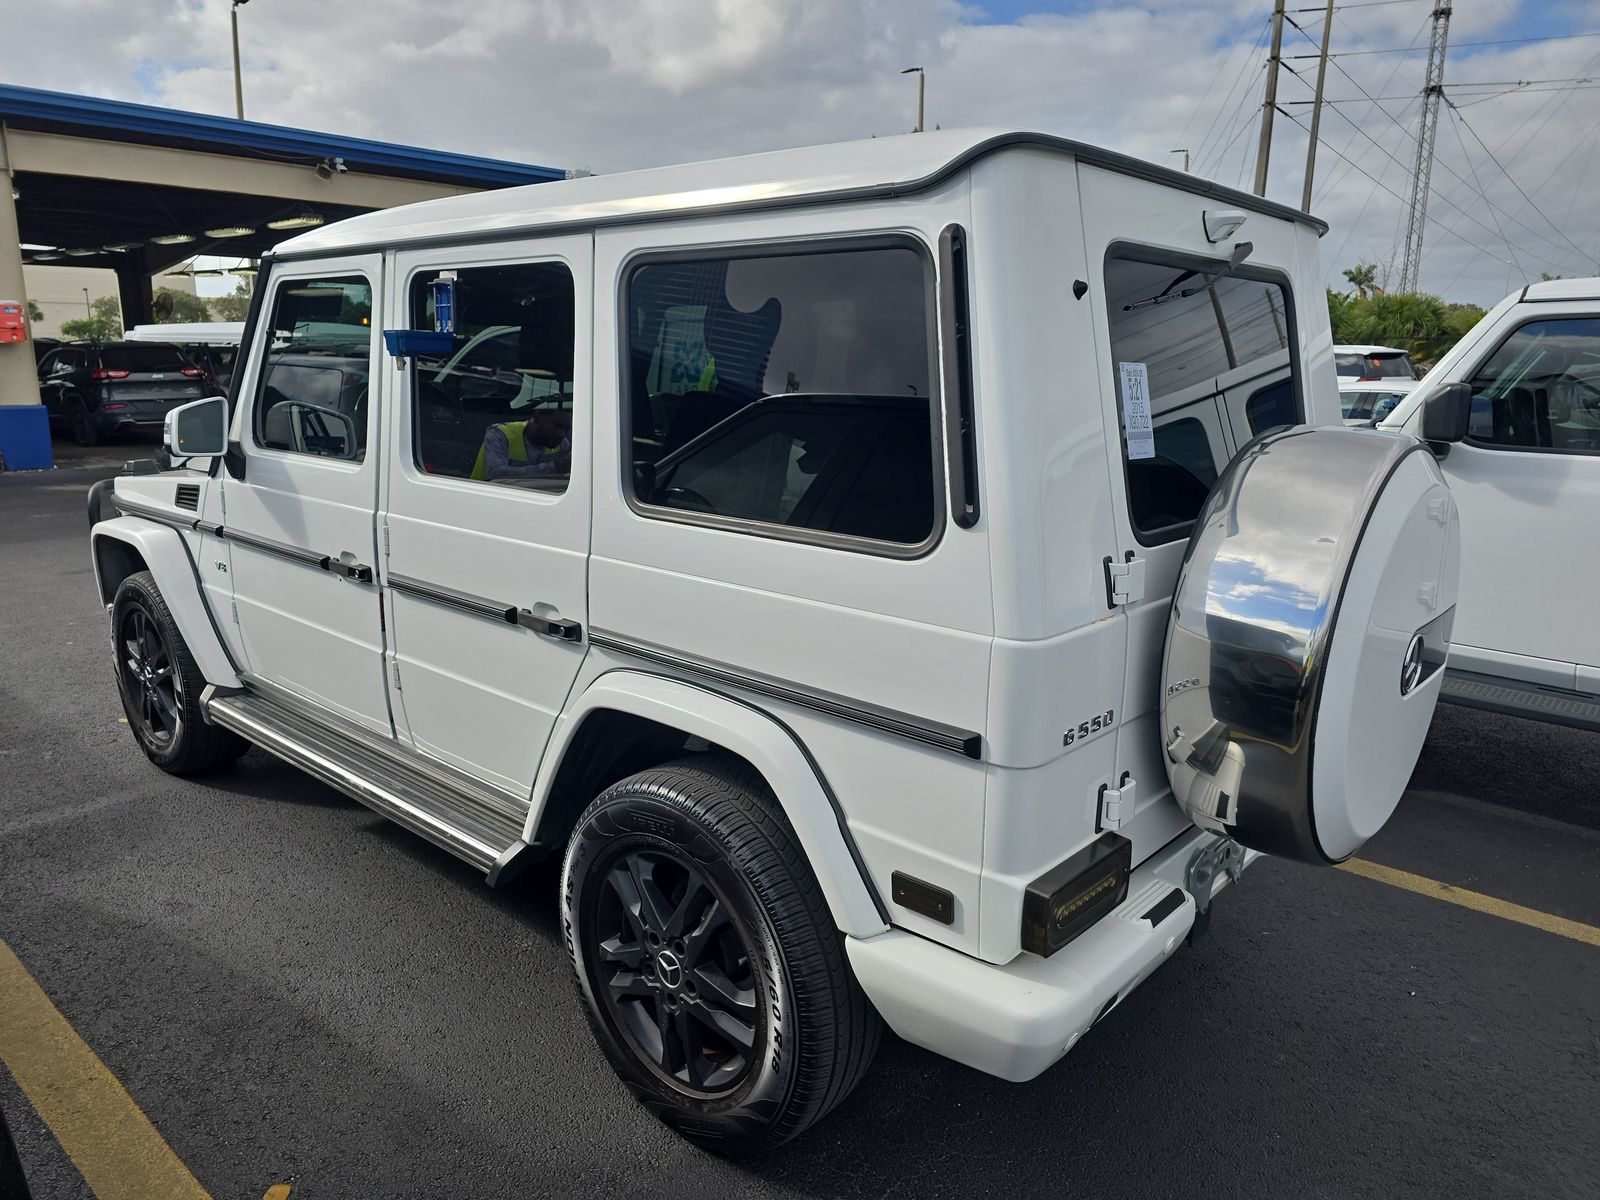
x=296, y=992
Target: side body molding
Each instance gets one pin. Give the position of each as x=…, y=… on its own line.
x=168, y=559
x=767, y=744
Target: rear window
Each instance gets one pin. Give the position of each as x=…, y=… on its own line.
x=1179, y=333
x=1373, y=366
x=137, y=358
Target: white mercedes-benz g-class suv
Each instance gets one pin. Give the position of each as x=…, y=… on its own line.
x=903, y=580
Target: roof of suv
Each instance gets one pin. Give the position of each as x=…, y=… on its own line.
x=876, y=167
x=1367, y=350
x=1563, y=289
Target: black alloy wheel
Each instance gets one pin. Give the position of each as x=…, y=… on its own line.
x=150, y=678
x=710, y=967
x=676, y=972
x=160, y=684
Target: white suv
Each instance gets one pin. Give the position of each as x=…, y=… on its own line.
x=898, y=579
x=1514, y=410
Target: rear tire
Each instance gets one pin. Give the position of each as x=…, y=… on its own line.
x=709, y=964
x=160, y=684
x=83, y=428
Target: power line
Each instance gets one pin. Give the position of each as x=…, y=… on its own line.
x=1549, y=37
x=1451, y=170
x=1512, y=180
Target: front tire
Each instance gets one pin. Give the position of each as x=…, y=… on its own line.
x=708, y=961
x=160, y=684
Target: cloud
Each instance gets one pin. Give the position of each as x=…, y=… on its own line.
x=630, y=83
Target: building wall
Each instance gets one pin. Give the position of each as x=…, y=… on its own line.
x=58, y=291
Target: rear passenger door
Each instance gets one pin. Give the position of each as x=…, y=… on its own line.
x=486, y=512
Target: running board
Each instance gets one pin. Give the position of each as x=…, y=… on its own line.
x=482, y=827
x=1496, y=695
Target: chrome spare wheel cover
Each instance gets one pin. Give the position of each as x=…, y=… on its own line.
x=1309, y=626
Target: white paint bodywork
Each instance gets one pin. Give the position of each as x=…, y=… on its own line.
x=1002, y=628
x=1529, y=558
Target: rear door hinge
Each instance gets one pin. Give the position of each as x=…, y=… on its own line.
x=1124, y=580
x=394, y=673
x=235, y=609
x=1117, y=803
x=386, y=541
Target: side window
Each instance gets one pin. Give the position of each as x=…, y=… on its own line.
x=315, y=379
x=1174, y=330
x=496, y=405
x=790, y=390
x=1271, y=407
x=1541, y=389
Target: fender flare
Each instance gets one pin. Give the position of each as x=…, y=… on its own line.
x=167, y=557
x=768, y=745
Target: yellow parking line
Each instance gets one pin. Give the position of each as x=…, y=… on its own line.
x=1477, y=901
x=111, y=1142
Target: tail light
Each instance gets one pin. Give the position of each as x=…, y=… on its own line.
x=108, y=373
x=193, y=372
x=112, y=407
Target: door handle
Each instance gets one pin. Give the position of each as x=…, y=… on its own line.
x=550, y=627
x=359, y=572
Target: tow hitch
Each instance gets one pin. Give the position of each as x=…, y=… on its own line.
x=1224, y=856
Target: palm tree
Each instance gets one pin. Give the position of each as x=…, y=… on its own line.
x=1362, y=276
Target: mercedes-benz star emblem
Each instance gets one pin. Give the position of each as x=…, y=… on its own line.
x=669, y=968
x=1411, y=666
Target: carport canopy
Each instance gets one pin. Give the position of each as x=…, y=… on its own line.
x=138, y=189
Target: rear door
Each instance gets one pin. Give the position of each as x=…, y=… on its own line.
x=1211, y=358
x=300, y=522
x=487, y=506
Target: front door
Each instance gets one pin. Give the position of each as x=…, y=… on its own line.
x=486, y=513
x=1527, y=481
x=300, y=519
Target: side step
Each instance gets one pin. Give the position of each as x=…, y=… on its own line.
x=472, y=822
x=1495, y=695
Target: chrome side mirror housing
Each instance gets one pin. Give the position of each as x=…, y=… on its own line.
x=198, y=429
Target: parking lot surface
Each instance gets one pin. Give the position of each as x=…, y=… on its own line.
x=296, y=992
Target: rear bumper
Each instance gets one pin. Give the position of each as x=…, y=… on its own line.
x=1013, y=1021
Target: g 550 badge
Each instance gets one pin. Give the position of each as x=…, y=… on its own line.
x=1087, y=729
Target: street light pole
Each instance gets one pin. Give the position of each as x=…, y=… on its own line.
x=88, y=309
x=922, y=94
x=238, y=82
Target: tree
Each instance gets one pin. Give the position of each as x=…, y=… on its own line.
x=104, y=325
x=175, y=306
x=235, y=307
x=1362, y=277
x=35, y=313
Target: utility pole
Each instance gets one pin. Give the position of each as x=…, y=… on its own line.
x=1316, y=110
x=1270, y=105
x=1183, y=151
x=922, y=93
x=238, y=82
x=1432, y=91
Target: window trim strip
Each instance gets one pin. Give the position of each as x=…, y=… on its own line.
x=955, y=343
x=936, y=734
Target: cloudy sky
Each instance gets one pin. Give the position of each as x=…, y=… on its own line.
x=614, y=84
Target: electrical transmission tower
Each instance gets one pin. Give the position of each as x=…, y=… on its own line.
x=1432, y=92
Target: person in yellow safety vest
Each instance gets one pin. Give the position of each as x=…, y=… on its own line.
x=540, y=445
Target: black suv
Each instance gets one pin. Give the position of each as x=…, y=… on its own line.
x=117, y=387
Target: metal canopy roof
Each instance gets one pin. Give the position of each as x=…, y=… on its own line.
x=117, y=120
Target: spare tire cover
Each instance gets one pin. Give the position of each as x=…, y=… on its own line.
x=1306, y=645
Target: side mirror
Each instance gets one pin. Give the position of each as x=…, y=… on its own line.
x=1445, y=414
x=197, y=429
x=327, y=432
